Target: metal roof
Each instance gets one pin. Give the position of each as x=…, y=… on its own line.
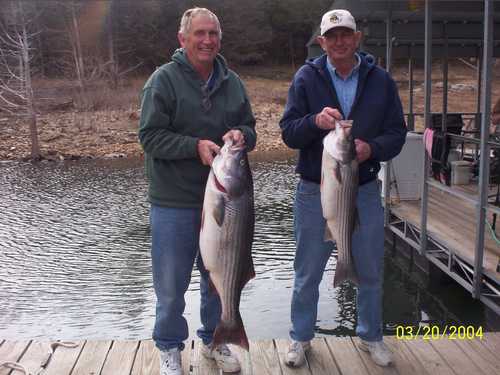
x=457, y=24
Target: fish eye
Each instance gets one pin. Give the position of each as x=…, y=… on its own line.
x=242, y=162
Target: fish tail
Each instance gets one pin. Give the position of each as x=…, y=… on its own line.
x=343, y=273
x=231, y=334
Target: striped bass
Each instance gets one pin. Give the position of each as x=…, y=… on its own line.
x=227, y=229
x=339, y=188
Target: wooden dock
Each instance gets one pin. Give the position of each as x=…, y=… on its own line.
x=452, y=221
x=332, y=356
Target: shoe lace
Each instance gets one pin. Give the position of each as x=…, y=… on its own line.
x=172, y=360
x=295, y=347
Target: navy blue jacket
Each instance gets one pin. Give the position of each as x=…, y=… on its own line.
x=377, y=116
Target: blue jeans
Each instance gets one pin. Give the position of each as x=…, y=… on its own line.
x=175, y=246
x=312, y=254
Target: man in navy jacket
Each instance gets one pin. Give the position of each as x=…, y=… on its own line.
x=340, y=84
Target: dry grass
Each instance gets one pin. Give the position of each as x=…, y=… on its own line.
x=96, y=96
x=105, y=121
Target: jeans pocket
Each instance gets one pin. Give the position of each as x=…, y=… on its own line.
x=307, y=188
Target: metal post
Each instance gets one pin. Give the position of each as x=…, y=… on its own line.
x=477, y=119
x=477, y=116
x=388, y=41
x=484, y=164
x=427, y=121
x=445, y=80
x=388, y=166
x=411, y=116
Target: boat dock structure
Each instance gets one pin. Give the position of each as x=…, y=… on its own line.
x=450, y=220
x=442, y=201
x=331, y=355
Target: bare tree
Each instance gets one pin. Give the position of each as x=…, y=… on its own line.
x=16, y=91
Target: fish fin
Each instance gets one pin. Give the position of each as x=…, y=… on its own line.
x=343, y=273
x=202, y=220
x=219, y=211
x=211, y=286
x=328, y=235
x=357, y=222
x=249, y=275
x=337, y=172
x=231, y=334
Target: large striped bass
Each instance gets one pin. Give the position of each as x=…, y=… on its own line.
x=339, y=188
x=226, y=236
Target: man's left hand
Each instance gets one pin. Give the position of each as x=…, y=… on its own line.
x=363, y=150
x=236, y=135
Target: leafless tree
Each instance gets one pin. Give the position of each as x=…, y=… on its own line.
x=16, y=52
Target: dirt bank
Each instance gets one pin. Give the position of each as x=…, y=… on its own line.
x=74, y=134
x=77, y=133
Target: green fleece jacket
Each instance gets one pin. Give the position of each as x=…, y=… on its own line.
x=173, y=119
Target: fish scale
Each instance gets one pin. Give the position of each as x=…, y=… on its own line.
x=226, y=237
x=339, y=185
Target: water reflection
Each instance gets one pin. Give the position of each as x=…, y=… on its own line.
x=75, y=259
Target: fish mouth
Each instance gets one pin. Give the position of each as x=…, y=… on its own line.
x=234, y=147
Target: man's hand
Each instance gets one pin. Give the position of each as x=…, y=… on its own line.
x=327, y=117
x=363, y=150
x=207, y=150
x=236, y=135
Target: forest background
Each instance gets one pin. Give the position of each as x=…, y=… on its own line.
x=86, y=56
x=71, y=71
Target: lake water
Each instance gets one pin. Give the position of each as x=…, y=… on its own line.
x=75, y=260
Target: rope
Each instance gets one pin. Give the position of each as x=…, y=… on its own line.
x=16, y=366
x=493, y=234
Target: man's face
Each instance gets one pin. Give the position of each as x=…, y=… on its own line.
x=202, y=41
x=340, y=43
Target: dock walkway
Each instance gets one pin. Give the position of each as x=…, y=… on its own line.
x=332, y=356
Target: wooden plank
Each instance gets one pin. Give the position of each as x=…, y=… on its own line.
x=187, y=356
x=404, y=360
x=491, y=340
x=282, y=347
x=35, y=356
x=457, y=235
x=456, y=358
x=428, y=357
x=244, y=359
x=264, y=357
x=202, y=365
x=147, y=359
x=372, y=367
x=63, y=359
x=11, y=351
x=346, y=356
x=489, y=363
x=120, y=358
x=92, y=358
x=320, y=359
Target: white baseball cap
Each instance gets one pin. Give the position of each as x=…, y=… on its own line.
x=337, y=18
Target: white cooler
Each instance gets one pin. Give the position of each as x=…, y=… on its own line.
x=406, y=169
x=460, y=172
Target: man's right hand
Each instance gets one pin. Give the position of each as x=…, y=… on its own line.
x=207, y=151
x=327, y=117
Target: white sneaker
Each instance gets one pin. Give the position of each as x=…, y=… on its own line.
x=296, y=355
x=170, y=362
x=226, y=361
x=379, y=352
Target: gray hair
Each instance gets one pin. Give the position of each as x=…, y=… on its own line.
x=189, y=14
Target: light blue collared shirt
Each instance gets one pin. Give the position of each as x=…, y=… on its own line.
x=345, y=88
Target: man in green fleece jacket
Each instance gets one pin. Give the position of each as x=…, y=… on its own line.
x=189, y=107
